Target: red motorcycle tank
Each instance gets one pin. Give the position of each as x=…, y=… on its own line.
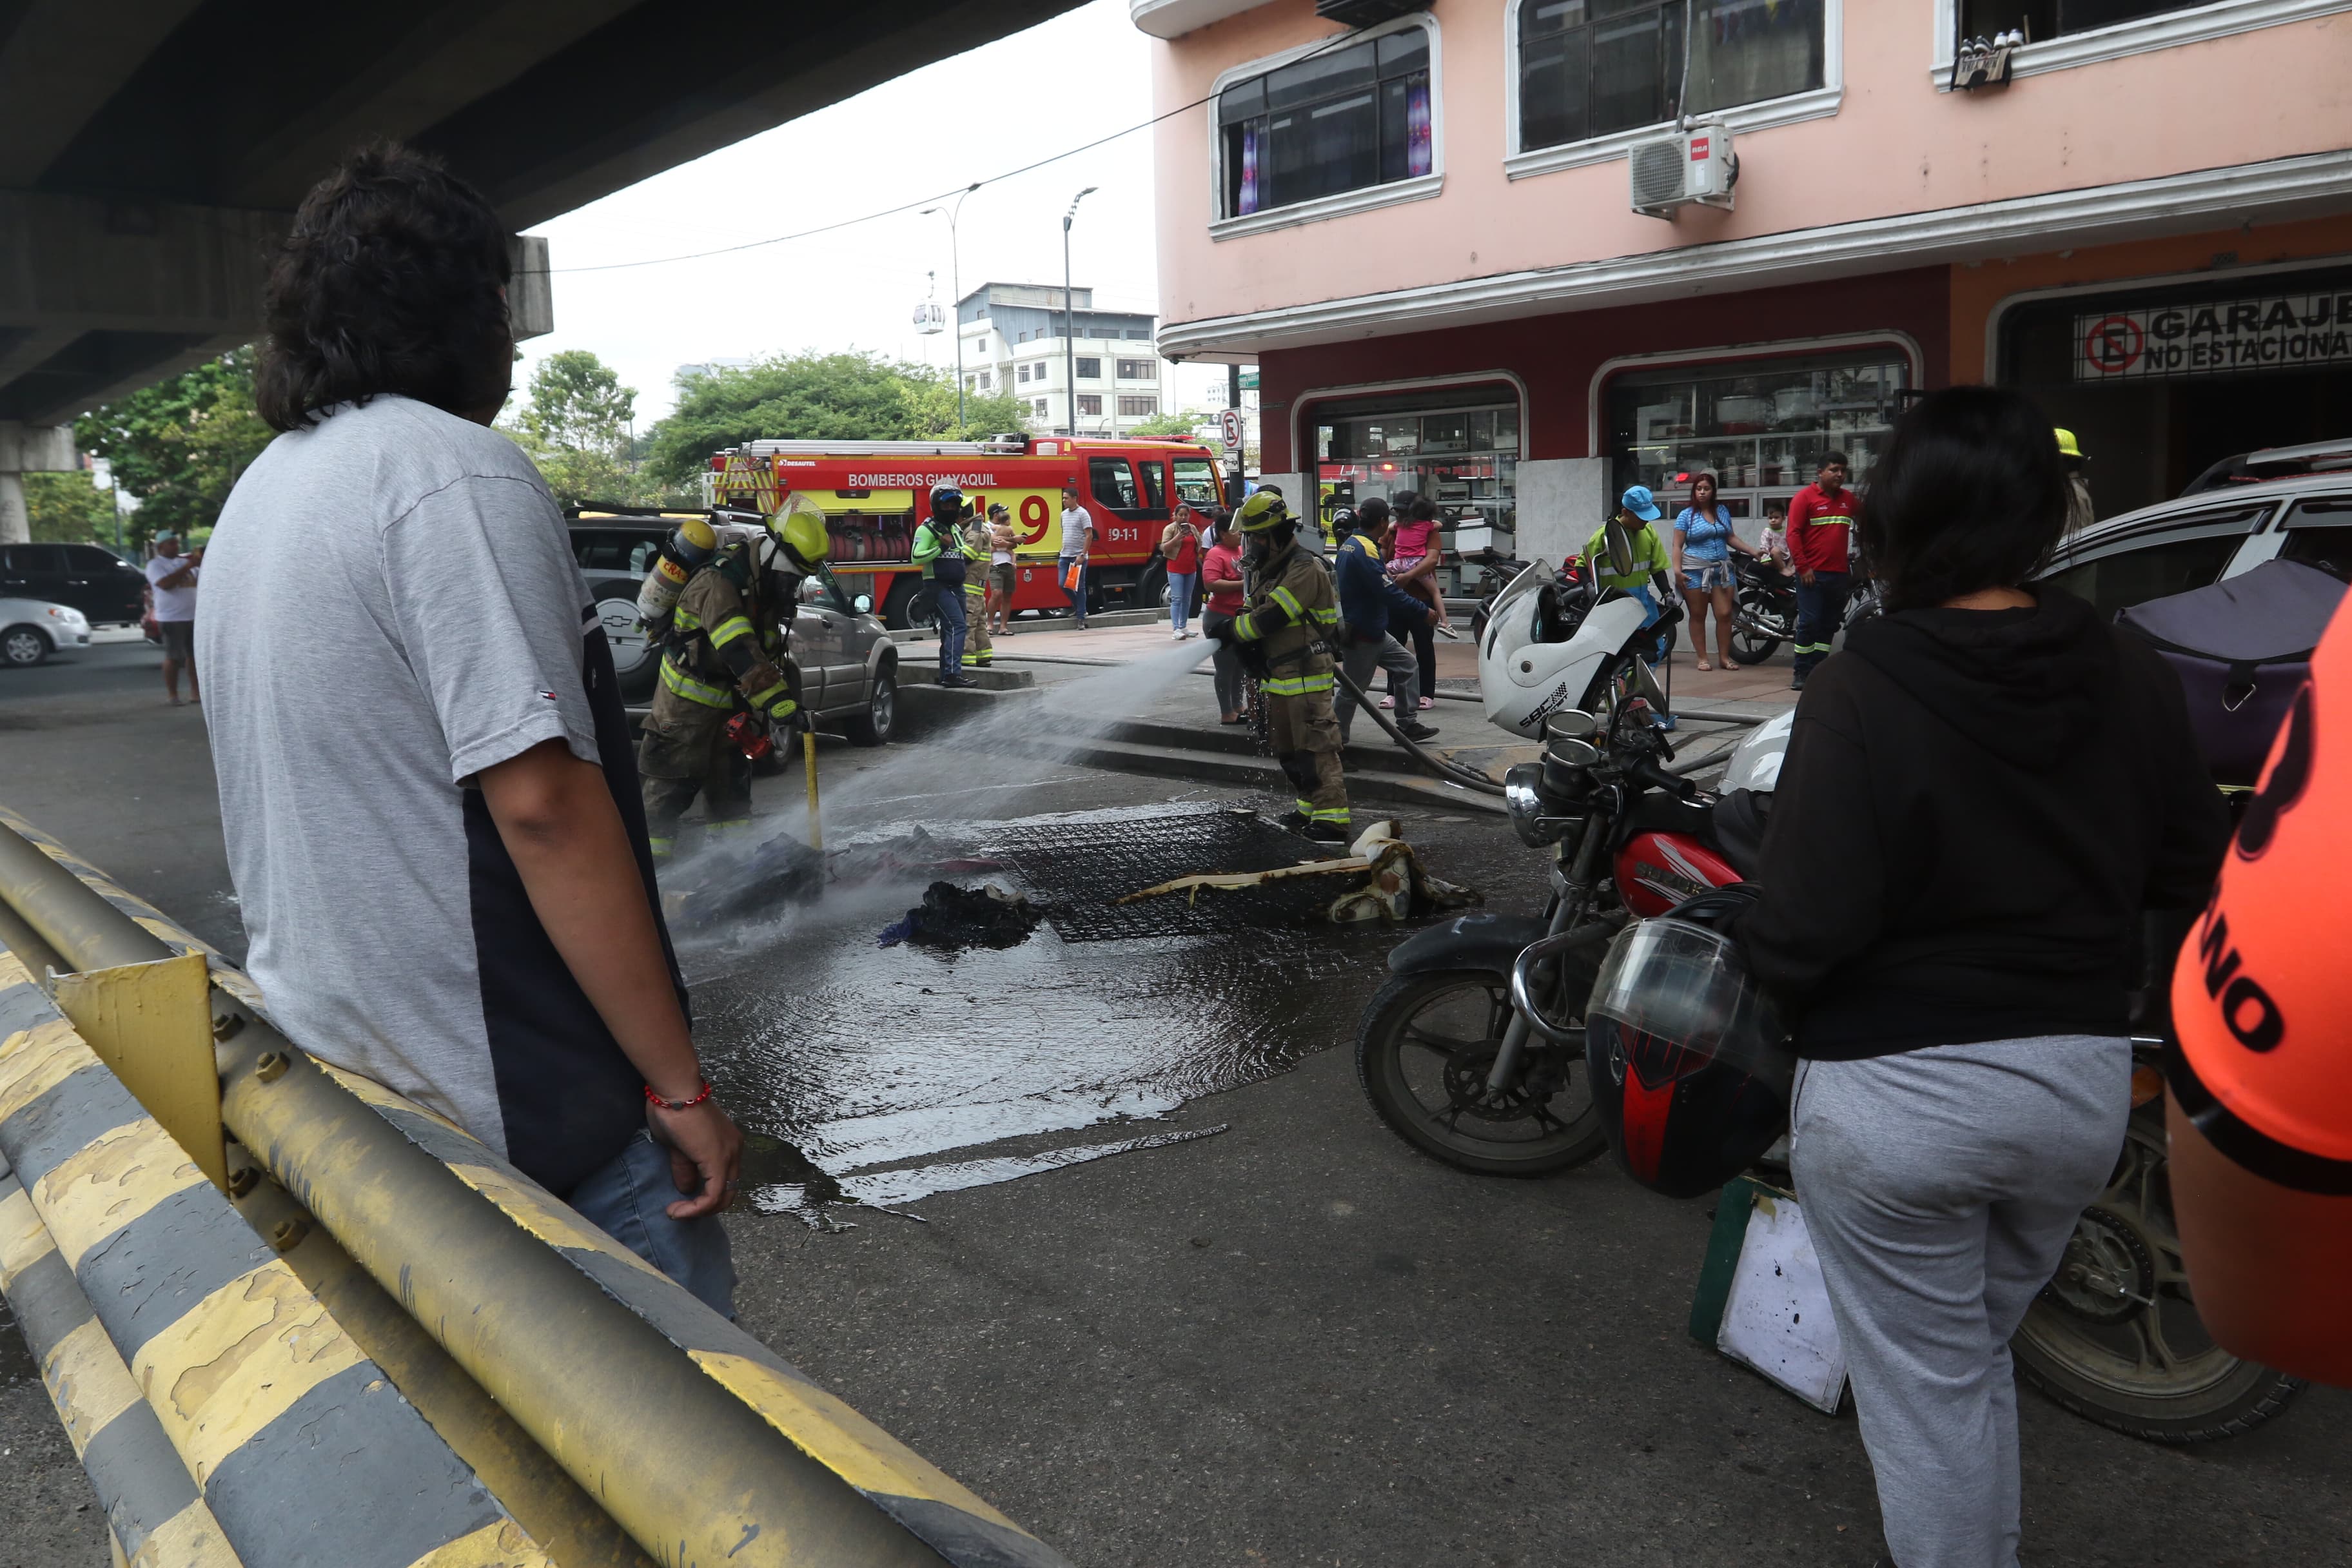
x=1656, y=870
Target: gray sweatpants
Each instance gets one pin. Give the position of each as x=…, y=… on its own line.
x=1404, y=676
x=1939, y=1187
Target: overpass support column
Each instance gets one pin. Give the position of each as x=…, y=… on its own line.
x=28, y=448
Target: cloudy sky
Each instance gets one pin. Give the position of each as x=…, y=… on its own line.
x=1079, y=77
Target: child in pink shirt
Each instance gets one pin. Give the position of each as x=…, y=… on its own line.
x=1413, y=557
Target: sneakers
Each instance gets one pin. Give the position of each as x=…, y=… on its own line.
x=1176, y=636
x=1327, y=833
x=959, y=682
x=1415, y=730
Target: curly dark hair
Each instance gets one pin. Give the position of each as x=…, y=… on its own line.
x=391, y=281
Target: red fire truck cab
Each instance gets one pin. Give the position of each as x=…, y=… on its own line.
x=873, y=493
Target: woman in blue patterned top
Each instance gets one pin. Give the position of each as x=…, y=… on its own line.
x=1702, y=543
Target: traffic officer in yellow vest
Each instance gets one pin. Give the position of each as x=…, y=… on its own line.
x=1284, y=631
x=939, y=550
x=727, y=653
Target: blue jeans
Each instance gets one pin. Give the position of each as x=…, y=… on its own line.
x=948, y=598
x=1078, y=599
x=1180, y=598
x=1821, y=605
x=626, y=1200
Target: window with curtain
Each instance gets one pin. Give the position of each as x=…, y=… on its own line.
x=2039, y=19
x=1592, y=68
x=1345, y=119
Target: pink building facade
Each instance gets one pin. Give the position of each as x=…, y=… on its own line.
x=1422, y=227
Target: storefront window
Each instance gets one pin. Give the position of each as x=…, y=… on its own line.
x=1460, y=447
x=1761, y=426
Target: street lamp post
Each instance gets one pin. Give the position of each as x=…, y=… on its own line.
x=955, y=282
x=1069, y=319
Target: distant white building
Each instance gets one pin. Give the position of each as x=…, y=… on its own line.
x=685, y=371
x=1012, y=342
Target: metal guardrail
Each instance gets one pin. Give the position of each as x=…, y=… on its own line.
x=695, y=1439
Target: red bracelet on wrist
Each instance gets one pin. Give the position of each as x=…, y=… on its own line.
x=653, y=1099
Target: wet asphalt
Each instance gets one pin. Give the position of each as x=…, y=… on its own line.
x=1271, y=1334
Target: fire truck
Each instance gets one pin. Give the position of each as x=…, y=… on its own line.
x=873, y=493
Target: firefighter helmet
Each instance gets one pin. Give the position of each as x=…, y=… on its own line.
x=2067, y=446
x=798, y=529
x=1264, y=510
x=1690, y=1069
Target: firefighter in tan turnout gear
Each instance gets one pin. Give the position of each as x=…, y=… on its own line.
x=1284, y=632
x=726, y=656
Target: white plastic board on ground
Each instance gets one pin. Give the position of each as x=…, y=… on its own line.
x=1777, y=1319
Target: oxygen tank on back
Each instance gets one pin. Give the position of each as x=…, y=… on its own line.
x=686, y=552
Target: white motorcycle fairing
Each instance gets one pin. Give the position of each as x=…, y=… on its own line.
x=1524, y=680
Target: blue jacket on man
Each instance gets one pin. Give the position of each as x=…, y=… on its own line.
x=1368, y=602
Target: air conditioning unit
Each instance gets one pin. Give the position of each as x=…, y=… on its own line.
x=1694, y=165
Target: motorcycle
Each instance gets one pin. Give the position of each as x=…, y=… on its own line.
x=1473, y=1052
x=1764, y=609
x=1455, y=1065
x=1495, y=572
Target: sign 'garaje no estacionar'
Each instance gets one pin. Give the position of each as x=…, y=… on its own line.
x=2222, y=337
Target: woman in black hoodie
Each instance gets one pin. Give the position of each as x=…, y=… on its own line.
x=1981, y=795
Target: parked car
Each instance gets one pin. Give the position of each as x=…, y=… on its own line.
x=99, y=584
x=2203, y=537
x=32, y=629
x=849, y=666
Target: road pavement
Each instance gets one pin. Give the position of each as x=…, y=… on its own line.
x=1289, y=1341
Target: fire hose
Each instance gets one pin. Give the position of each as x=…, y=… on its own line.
x=1453, y=772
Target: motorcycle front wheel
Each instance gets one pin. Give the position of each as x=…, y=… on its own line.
x=2115, y=1337
x=1752, y=628
x=1423, y=1053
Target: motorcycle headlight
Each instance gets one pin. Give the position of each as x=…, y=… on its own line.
x=1523, y=801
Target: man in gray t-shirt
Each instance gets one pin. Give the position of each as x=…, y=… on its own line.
x=431, y=806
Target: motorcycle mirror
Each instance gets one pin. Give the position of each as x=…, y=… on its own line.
x=1644, y=682
x=1619, y=548
x=1574, y=725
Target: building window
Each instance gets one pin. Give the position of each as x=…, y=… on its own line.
x=1019, y=373
x=1136, y=370
x=1138, y=406
x=1041, y=408
x=1590, y=68
x=1090, y=402
x=2043, y=19
x=1333, y=122
x=1140, y=334
x=983, y=381
x=1090, y=370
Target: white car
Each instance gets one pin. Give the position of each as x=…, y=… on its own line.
x=32, y=629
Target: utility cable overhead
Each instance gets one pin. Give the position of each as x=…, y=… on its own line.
x=1328, y=44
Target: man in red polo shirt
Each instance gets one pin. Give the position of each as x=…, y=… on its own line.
x=1820, y=538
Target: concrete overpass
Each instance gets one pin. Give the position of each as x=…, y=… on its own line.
x=152, y=151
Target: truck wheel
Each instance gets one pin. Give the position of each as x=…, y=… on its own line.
x=910, y=605
x=872, y=726
x=1151, y=590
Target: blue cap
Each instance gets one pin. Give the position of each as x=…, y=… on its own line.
x=1641, y=503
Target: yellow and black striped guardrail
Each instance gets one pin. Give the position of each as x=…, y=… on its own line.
x=698, y=1441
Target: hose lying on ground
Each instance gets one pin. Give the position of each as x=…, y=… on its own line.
x=1453, y=772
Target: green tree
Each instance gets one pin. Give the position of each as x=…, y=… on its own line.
x=67, y=509
x=850, y=395
x=1180, y=426
x=575, y=427
x=180, y=445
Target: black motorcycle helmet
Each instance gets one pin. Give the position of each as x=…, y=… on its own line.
x=1698, y=1097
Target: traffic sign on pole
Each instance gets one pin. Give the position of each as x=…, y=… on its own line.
x=1229, y=421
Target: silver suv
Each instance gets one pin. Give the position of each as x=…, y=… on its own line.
x=849, y=666
x=2177, y=545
